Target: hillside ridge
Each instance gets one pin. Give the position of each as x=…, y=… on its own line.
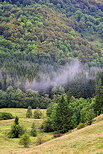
x=86, y=140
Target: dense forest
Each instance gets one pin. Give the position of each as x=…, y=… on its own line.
x=44, y=35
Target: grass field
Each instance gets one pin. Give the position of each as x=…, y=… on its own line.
x=88, y=140
x=8, y=145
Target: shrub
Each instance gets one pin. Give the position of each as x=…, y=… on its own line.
x=5, y=116
x=29, y=112
x=37, y=114
x=81, y=125
x=25, y=140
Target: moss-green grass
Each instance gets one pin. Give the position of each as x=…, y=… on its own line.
x=8, y=145
x=88, y=140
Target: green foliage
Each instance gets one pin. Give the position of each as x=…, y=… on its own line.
x=29, y=112
x=81, y=125
x=87, y=115
x=50, y=109
x=68, y=113
x=16, y=120
x=33, y=34
x=90, y=116
x=37, y=114
x=61, y=116
x=47, y=125
x=25, y=140
x=37, y=34
x=33, y=131
x=16, y=130
x=98, y=107
x=5, y=116
x=28, y=35
x=17, y=98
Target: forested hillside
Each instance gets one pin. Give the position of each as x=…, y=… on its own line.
x=34, y=33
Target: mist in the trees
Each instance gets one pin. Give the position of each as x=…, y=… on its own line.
x=48, y=76
x=71, y=72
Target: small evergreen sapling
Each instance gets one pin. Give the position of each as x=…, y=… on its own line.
x=16, y=130
x=33, y=131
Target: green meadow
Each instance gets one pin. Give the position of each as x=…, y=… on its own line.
x=83, y=141
x=8, y=145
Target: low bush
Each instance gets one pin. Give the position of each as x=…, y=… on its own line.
x=37, y=114
x=5, y=116
x=81, y=125
x=25, y=140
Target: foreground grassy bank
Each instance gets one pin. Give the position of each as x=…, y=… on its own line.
x=83, y=141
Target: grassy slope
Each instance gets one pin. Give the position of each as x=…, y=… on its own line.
x=9, y=145
x=87, y=140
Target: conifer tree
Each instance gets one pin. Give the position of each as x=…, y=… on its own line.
x=61, y=116
x=33, y=131
x=98, y=108
x=16, y=130
x=16, y=120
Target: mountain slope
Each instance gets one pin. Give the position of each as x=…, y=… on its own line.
x=87, y=140
x=35, y=33
x=40, y=31
x=87, y=13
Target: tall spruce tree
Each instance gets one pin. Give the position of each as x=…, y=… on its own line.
x=98, y=108
x=61, y=116
x=33, y=131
